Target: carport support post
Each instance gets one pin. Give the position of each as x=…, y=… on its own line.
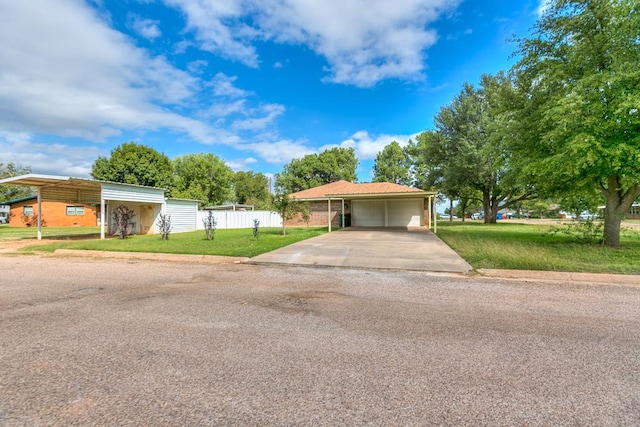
x=435, y=216
x=329, y=213
x=102, y=218
x=429, y=212
x=39, y=219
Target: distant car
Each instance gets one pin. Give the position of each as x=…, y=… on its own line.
x=447, y=217
x=588, y=215
x=477, y=216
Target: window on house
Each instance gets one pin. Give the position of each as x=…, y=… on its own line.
x=27, y=210
x=75, y=210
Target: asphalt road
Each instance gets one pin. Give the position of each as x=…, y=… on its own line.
x=113, y=342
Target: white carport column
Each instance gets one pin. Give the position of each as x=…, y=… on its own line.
x=435, y=216
x=329, y=213
x=103, y=220
x=39, y=233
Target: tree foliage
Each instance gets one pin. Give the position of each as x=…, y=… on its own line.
x=469, y=155
x=12, y=192
x=287, y=207
x=392, y=165
x=318, y=169
x=580, y=78
x=251, y=188
x=132, y=163
x=204, y=177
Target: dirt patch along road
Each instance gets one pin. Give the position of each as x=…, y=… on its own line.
x=116, y=342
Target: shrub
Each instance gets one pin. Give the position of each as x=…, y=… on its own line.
x=164, y=226
x=210, y=222
x=122, y=216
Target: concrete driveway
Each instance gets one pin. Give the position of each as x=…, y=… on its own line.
x=380, y=248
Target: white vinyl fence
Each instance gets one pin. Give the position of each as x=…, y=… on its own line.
x=241, y=219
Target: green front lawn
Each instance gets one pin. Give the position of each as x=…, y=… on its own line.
x=235, y=242
x=20, y=233
x=532, y=247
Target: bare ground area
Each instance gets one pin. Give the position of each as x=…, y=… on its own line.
x=131, y=342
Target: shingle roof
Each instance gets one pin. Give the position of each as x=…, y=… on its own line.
x=346, y=188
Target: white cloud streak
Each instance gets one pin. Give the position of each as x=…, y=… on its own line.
x=367, y=147
x=363, y=41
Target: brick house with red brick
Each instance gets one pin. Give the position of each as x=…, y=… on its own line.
x=23, y=213
x=371, y=204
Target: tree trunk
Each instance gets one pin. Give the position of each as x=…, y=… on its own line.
x=618, y=204
x=450, y=209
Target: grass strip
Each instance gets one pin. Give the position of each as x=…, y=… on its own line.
x=533, y=247
x=227, y=242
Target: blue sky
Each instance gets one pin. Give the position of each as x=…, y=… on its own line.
x=256, y=82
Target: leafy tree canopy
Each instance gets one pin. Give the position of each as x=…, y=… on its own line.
x=13, y=192
x=204, y=177
x=318, y=169
x=469, y=155
x=251, y=188
x=580, y=79
x=392, y=165
x=132, y=163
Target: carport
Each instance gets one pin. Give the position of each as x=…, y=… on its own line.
x=147, y=202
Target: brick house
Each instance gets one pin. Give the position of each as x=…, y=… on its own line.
x=23, y=213
x=372, y=204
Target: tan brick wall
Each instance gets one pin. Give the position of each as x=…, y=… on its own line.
x=54, y=214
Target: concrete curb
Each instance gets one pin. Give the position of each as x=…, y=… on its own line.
x=207, y=259
x=620, y=279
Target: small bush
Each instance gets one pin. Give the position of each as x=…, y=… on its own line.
x=122, y=216
x=164, y=226
x=210, y=223
x=256, y=228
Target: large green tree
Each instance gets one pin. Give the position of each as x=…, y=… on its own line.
x=580, y=80
x=251, y=188
x=317, y=169
x=132, y=163
x=12, y=192
x=470, y=151
x=392, y=165
x=204, y=177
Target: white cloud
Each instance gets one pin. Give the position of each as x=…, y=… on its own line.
x=363, y=41
x=241, y=164
x=207, y=19
x=367, y=147
x=272, y=111
x=147, y=28
x=91, y=86
x=44, y=158
x=223, y=86
x=279, y=152
x=543, y=6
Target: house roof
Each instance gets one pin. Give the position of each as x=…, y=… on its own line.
x=38, y=180
x=22, y=199
x=342, y=189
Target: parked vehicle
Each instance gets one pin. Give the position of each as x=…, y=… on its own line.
x=447, y=217
x=588, y=215
x=477, y=216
